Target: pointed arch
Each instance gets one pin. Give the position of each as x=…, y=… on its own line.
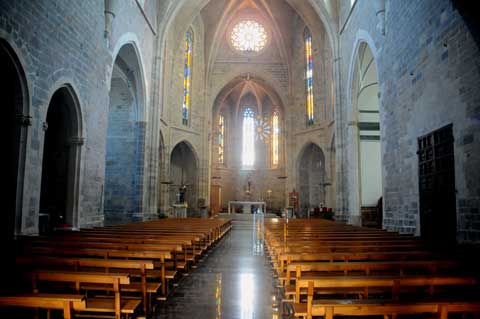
x=16, y=99
x=184, y=171
x=364, y=94
x=125, y=143
x=60, y=185
x=310, y=178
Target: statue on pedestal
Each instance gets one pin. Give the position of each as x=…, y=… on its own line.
x=181, y=194
x=248, y=187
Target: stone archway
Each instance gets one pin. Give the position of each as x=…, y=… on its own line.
x=311, y=178
x=14, y=95
x=125, y=147
x=183, y=171
x=365, y=94
x=61, y=162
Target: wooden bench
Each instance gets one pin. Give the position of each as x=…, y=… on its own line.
x=157, y=256
x=387, y=308
x=368, y=267
x=65, y=302
x=132, y=267
x=393, y=283
x=117, y=305
x=365, y=268
x=286, y=258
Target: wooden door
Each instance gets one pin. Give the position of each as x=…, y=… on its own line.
x=215, y=199
x=437, y=186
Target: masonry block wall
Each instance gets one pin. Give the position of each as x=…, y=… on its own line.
x=59, y=43
x=62, y=43
x=321, y=133
x=428, y=69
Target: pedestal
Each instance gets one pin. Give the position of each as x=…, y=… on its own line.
x=180, y=210
x=203, y=212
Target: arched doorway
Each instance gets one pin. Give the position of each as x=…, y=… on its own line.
x=125, y=140
x=14, y=95
x=366, y=102
x=311, y=178
x=183, y=171
x=61, y=162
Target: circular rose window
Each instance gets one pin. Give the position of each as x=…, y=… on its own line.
x=249, y=36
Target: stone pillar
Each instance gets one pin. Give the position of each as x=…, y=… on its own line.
x=111, y=7
x=139, y=165
x=73, y=192
x=23, y=122
x=380, y=13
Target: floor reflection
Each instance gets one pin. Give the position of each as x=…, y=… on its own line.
x=231, y=282
x=247, y=296
x=218, y=296
x=258, y=233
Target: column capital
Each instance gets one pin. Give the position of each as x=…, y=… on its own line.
x=24, y=120
x=76, y=140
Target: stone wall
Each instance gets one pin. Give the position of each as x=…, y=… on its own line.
x=62, y=43
x=428, y=73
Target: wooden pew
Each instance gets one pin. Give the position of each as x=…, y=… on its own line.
x=366, y=268
x=387, y=308
x=65, y=302
x=132, y=266
x=117, y=305
x=286, y=258
x=157, y=256
x=393, y=283
x=323, y=255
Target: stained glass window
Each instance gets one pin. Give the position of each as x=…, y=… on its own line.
x=221, y=137
x=248, y=35
x=248, y=147
x=309, y=75
x=275, y=133
x=187, y=78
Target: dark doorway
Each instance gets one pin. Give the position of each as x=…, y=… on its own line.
x=311, y=178
x=183, y=172
x=437, y=186
x=57, y=160
x=12, y=92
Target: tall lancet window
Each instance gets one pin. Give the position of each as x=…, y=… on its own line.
x=221, y=138
x=309, y=76
x=187, y=78
x=275, y=133
x=248, y=148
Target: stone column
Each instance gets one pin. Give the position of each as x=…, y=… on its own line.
x=380, y=13
x=111, y=7
x=73, y=188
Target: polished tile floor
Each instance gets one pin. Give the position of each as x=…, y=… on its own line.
x=233, y=281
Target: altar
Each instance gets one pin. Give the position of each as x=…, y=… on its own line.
x=247, y=206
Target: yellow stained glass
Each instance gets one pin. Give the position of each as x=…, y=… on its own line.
x=221, y=138
x=275, y=133
x=187, y=78
x=309, y=76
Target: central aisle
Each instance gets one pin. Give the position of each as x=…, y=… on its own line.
x=231, y=282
